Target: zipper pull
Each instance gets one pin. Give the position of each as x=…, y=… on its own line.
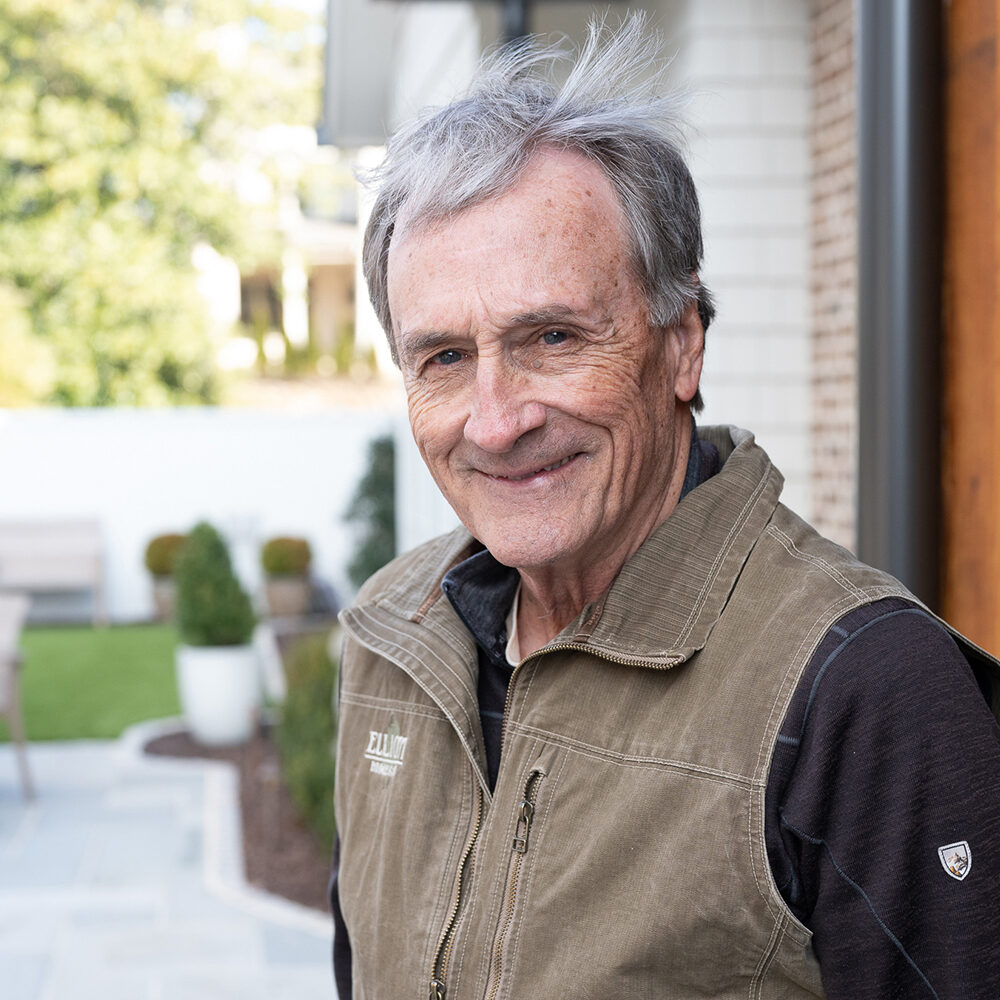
x=524, y=814
x=437, y=990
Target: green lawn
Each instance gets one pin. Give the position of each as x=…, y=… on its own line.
x=85, y=682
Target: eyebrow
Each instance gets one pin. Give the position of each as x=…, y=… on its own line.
x=553, y=313
x=422, y=342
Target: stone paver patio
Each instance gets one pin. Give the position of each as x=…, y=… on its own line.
x=124, y=880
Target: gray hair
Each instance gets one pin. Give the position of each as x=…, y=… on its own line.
x=612, y=109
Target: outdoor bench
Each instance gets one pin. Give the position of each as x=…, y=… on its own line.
x=53, y=556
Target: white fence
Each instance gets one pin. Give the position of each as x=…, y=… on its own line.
x=253, y=474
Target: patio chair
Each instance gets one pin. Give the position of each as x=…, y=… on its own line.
x=13, y=611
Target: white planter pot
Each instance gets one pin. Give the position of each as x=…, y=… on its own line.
x=220, y=692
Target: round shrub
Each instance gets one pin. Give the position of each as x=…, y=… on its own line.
x=162, y=552
x=212, y=608
x=284, y=556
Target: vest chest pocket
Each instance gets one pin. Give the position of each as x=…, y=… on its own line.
x=519, y=848
x=619, y=878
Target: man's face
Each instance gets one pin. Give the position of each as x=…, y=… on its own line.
x=542, y=401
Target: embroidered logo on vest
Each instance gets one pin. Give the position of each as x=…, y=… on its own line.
x=385, y=750
x=956, y=859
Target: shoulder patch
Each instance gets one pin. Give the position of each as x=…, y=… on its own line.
x=956, y=859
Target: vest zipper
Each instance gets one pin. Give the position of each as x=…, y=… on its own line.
x=439, y=969
x=519, y=847
x=623, y=661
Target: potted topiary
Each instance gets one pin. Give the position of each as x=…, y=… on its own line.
x=286, y=562
x=160, y=559
x=217, y=672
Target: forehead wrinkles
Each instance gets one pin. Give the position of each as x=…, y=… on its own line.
x=564, y=215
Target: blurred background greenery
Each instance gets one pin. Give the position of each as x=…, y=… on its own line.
x=125, y=130
x=87, y=683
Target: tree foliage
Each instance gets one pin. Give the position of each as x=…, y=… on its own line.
x=373, y=509
x=122, y=125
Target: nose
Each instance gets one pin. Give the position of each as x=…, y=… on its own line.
x=503, y=408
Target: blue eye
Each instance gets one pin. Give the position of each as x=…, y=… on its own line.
x=553, y=337
x=448, y=357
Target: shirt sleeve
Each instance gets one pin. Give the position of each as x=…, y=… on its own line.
x=341, y=941
x=883, y=818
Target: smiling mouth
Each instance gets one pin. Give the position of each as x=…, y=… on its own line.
x=537, y=472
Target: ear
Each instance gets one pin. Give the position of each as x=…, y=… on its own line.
x=689, y=348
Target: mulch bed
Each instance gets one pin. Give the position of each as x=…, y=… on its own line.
x=282, y=854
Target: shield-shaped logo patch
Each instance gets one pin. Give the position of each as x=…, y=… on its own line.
x=956, y=859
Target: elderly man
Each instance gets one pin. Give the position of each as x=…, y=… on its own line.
x=636, y=730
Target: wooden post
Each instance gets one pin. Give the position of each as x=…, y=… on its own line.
x=971, y=432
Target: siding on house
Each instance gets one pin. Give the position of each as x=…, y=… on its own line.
x=834, y=270
x=748, y=66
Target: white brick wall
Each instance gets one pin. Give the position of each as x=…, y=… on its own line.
x=746, y=63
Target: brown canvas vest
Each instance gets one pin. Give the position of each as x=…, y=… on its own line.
x=622, y=851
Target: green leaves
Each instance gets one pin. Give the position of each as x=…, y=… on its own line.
x=284, y=556
x=307, y=732
x=373, y=509
x=212, y=607
x=123, y=125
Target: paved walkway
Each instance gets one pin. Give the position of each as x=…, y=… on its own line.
x=124, y=881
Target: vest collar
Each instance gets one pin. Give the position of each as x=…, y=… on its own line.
x=663, y=605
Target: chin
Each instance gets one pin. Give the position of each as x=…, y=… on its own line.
x=522, y=550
